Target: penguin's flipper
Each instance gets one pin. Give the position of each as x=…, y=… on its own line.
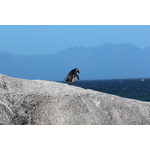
x=77, y=76
x=65, y=79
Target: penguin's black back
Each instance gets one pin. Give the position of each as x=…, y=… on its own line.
x=72, y=72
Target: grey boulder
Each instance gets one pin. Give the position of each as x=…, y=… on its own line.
x=37, y=102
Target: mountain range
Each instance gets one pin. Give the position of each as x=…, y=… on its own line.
x=108, y=61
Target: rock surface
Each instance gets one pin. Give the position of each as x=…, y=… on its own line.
x=37, y=102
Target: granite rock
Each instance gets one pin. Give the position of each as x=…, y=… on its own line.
x=38, y=102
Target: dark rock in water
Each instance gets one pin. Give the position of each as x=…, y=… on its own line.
x=43, y=102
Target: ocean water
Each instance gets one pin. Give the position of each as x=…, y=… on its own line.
x=138, y=89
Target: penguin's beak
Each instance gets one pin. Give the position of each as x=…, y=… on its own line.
x=78, y=71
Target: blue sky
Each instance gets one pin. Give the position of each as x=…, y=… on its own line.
x=48, y=39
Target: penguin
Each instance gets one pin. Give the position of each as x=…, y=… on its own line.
x=71, y=75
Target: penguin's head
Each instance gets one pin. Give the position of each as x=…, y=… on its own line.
x=77, y=70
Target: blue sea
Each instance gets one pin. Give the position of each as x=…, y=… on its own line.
x=138, y=89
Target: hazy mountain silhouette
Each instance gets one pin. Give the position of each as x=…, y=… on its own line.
x=107, y=61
